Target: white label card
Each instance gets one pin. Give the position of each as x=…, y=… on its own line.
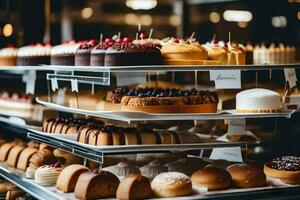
x=290, y=76
x=130, y=78
x=74, y=85
x=226, y=79
x=60, y=99
x=29, y=78
x=237, y=126
x=54, y=84
x=233, y=154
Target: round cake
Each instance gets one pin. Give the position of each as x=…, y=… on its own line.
x=83, y=53
x=34, y=55
x=8, y=56
x=64, y=54
x=217, y=52
x=286, y=168
x=258, y=100
x=98, y=53
x=129, y=54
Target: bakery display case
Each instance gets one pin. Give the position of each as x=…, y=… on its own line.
x=160, y=115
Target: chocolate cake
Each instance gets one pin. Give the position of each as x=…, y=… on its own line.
x=64, y=54
x=129, y=54
x=82, y=55
x=98, y=53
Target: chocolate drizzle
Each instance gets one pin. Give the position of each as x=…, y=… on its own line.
x=285, y=163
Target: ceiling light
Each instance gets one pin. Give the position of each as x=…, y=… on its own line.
x=141, y=4
x=86, y=13
x=146, y=20
x=279, y=21
x=8, y=30
x=174, y=20
x=214, y=17
x=237, y=16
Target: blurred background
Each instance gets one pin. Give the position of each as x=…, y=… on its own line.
x=54, y=21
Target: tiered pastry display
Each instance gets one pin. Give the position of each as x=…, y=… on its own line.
x=8, y=56
x=258, y=100
x=83, y=53
x=64, y=54
x=34, y=55
x=181, y=52
x=274, y=54
x=169, y=101
x=285, y=168
x=16, y=105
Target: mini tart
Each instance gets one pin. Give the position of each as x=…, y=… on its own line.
x=183, y=51
x=286, y=168
x=171, y=184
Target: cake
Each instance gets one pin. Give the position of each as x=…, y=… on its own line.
x=98, y=53
x=4, y=151
x=236, y=54
x=64, y=54
x=13, y=156
x=125, y=53
x=24, y=158
x=176, y=51
x=16, y=104
x=8, y=57
x=285, y=168
x=96, y=184
x=134, y=187
x=83, y=53
x=216, y=52
x=34, y=55
x=47, y=175
x=67, y=179
x=171, y=184
x=274, y=54
x=258, y=100
x=170, y=101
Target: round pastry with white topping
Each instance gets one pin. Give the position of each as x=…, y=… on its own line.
x=47, y=175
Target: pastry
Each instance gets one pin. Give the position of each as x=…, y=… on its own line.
x=4, y=151
x=123, y=169
x=64, y=54
x=186, y=165
x=98, y=53
x=258, y=100
x=47, y=175
x=247, y=175
x=285, y=168
x=217, y=52
x=236, y=55
x=171, y=184
x=34, y=55
x=33, y=144
x=153, y=169
x=171, y=100
x=223, y=164
x=67, y=179
x=30, y=171
x=83, y=53
x=96, y=185
x=8, y=56
x=169, y=137
x=212, y=178
x=6, y=186
x=66, y=158
x=175, y=50
x=149, y=136
x=24, y=158
x=134, y=187
x=42, y=157
x=124, y=53
x=14, y=194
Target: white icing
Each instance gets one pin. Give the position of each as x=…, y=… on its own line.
x=38, y=50
x=8, y=52
x=47, y=175
x=18, y=105
x=168, y=178
x=258, y=99
x=65, y=49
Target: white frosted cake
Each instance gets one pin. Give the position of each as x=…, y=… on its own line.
x=258, y=100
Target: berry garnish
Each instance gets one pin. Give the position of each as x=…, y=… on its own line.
x=119, y=40
x=126, y=39
x=56, y=165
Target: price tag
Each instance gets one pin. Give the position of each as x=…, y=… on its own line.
x=290, y=76
x=237, y=126
x=130, y=78
x=60, y=99
x=54, y=84
x=74, y=85
x=29, y=78
x=233, y=154
x=226, y=79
